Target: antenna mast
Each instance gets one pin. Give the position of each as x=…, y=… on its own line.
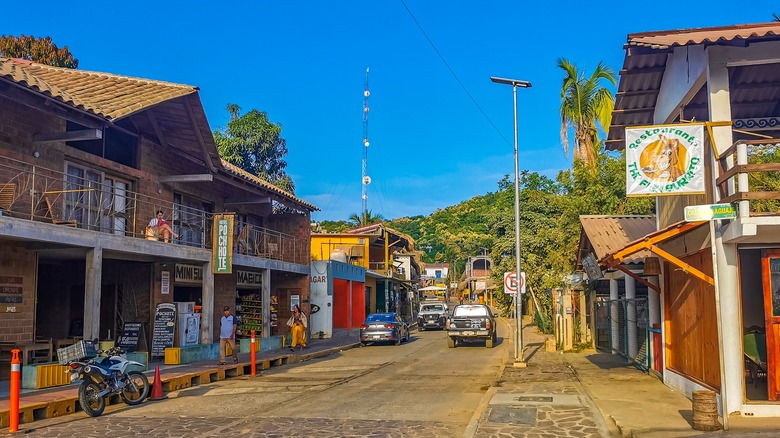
x=366, y=178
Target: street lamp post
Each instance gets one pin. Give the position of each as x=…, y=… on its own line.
x=519, y=361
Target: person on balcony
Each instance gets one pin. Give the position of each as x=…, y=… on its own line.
x=159, y=227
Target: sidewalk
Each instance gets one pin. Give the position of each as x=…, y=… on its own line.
x=591, y=394
x=41, y=404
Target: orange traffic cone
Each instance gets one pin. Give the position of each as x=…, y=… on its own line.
x=157, y=392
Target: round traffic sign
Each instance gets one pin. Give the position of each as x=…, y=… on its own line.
x=510, y=282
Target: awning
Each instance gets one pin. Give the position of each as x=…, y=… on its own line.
x=432, y=288
x=650, y=242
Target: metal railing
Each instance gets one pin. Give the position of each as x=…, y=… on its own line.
x=750, y=176
x=269, y=244
x=100, y=203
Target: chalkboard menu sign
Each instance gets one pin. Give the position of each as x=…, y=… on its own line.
x=164, y=327
x=131, y=334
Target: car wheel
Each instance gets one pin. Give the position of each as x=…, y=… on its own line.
x=489, y=343
x=451, y=342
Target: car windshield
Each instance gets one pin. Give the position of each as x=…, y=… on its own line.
x=432, y=308
x=470, y=311
x=380, y=317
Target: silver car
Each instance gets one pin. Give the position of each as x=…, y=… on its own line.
x=384, y=327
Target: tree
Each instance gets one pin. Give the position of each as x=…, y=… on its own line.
x=41, y=50
x=365, y=218
x=254, y=143
x=585, y=104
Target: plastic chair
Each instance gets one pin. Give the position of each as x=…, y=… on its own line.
x=755, y=356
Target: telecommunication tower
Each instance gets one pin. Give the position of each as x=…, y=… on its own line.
x=366, y=178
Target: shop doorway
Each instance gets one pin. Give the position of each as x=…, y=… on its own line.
x=754, y=279
x=770, y=275
x=187, y=294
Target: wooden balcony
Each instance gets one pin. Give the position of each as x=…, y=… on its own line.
x=750, y=177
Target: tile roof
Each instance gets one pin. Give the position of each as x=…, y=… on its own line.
x=608, y=234
x=706, y=35
x=106, y=95
x=237, y=171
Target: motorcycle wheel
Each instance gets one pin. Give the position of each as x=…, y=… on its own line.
x=136, y=388
x=90, y=400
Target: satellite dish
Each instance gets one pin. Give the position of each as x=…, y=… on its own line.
x=366, y=179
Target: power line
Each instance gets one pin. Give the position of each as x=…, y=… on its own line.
x=453, y=73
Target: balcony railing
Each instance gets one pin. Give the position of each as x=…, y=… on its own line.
x=750, y=176
x=92, y=202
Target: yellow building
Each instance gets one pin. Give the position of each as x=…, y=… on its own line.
x=373, y=247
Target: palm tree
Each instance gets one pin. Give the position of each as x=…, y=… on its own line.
x=365, y=218
x=585, y=104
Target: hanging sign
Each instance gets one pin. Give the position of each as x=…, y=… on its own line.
x=665, y=160
x=222, y=251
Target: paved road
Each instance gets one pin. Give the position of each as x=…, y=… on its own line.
x=420, y=388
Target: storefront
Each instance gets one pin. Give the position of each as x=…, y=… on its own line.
x=254, y=310
x=338, y=296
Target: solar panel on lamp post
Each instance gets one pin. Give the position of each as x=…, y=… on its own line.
x=519, y=361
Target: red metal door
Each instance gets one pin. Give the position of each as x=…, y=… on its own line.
x=770, y=273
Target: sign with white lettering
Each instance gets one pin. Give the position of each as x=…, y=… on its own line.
x=164, y=326
x=222, y=251
x=695, y=213
x=11, y=291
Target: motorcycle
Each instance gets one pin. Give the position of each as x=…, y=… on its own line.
x=108, y=375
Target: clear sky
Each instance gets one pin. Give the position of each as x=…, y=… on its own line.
x=304, y=63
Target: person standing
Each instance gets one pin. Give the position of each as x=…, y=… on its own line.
x=227, y=335
x=297, y=324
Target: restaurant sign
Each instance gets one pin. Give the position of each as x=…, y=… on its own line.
x=665, y=160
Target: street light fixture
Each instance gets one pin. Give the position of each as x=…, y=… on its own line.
x=519, y=361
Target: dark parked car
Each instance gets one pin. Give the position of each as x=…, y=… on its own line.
x=432, y=315
x=384, y=327
x=469, y=322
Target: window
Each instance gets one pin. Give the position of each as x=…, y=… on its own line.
x=192, y=220
x=97, y=201
x=117, y=145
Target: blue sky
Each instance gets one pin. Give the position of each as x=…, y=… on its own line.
x=304, y=62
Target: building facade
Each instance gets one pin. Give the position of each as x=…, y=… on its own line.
x=86, y=161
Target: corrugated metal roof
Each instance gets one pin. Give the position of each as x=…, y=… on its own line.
x=608, y=234
x=753, y=88
x=106, y=95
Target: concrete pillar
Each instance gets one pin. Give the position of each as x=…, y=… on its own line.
x=653, y=302
x=613, y=314
x=92, y=288
x=581, y=306
x=631, y=316
x=207, y=294
x=726, y=254
x=266, y=291
x=731, y=309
